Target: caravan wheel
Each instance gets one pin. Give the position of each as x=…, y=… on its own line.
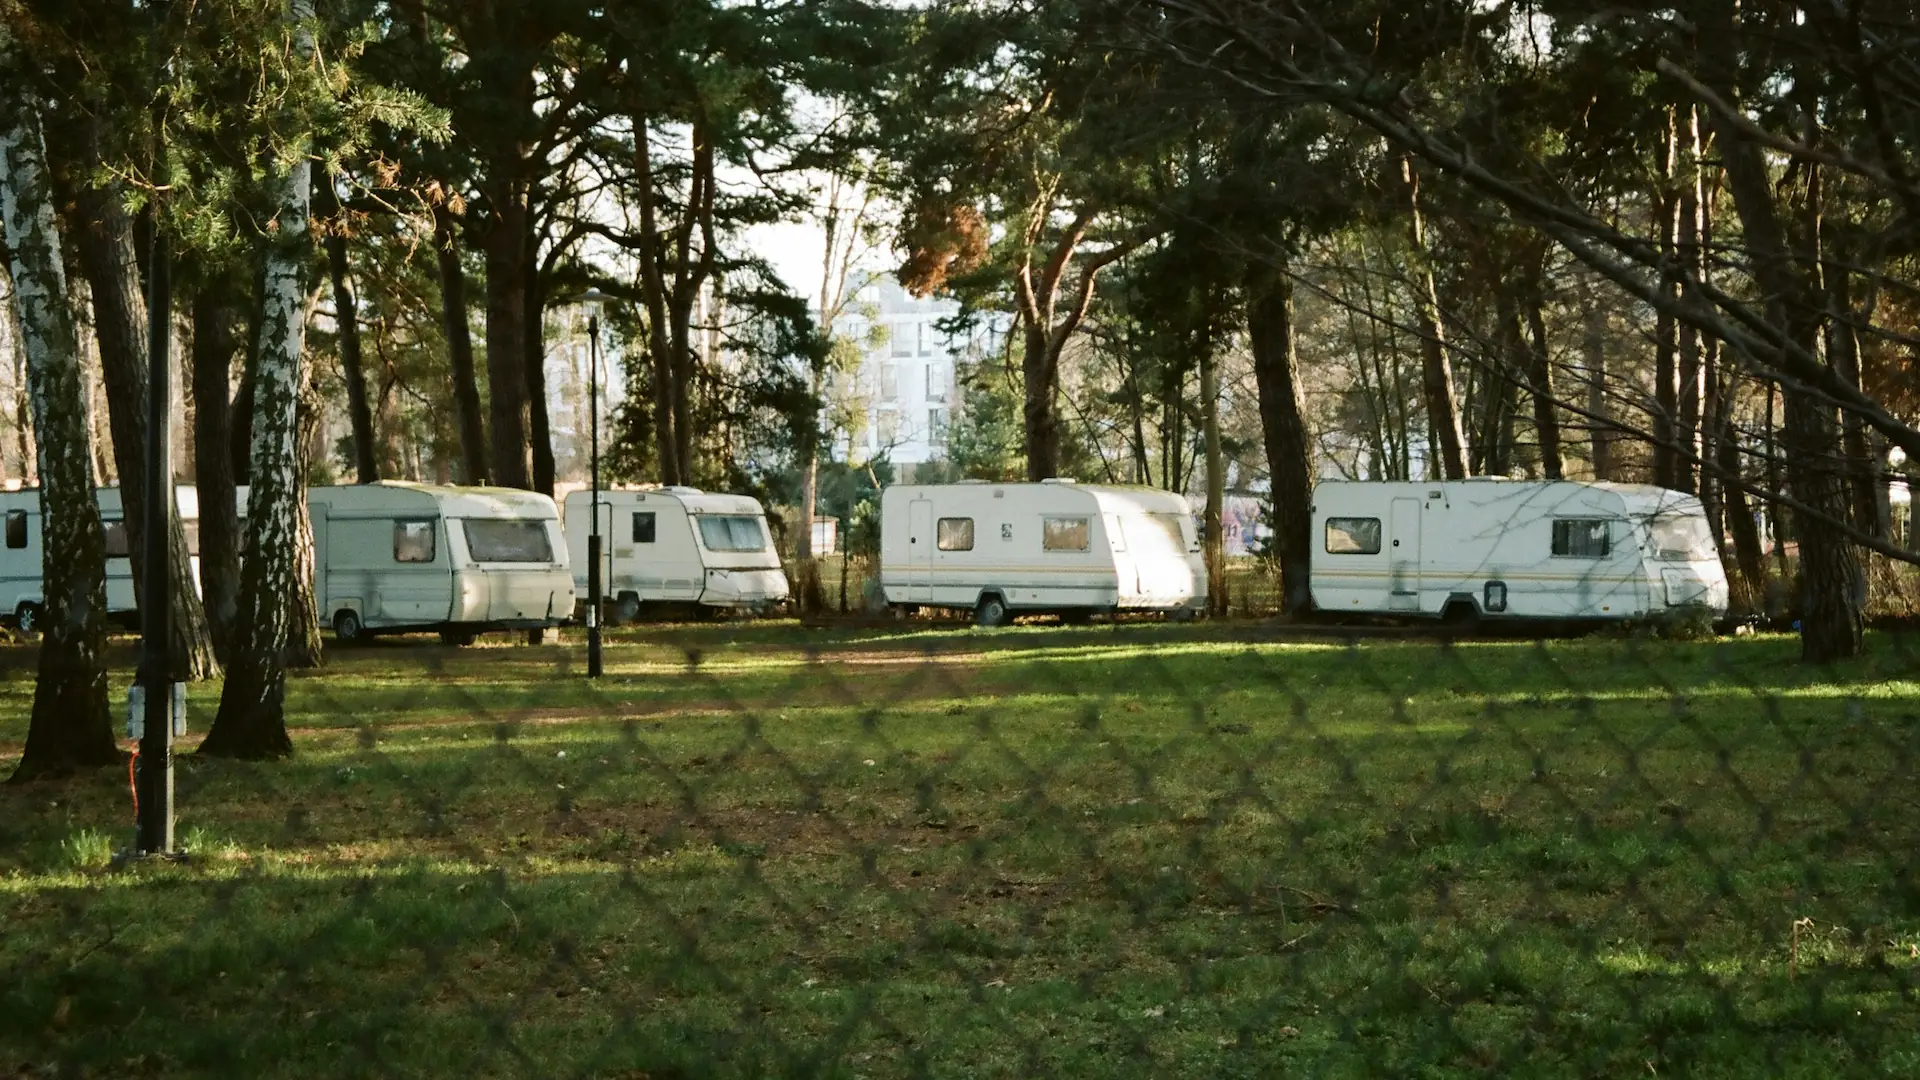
x=459, y=639
x=347, y=627
x=626, y=609
x=27, y=617
x=992, y=611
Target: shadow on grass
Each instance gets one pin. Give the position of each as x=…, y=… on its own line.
x=1089, y=855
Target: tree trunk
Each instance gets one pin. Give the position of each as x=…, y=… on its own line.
x=1748, y=553
x=252, y=721
x=346, y=321
x=539, y=431
x=1593, y=349
x=22, y=405
x=1038, y=412
x=1215, y=547
x=453, y=315
x=1446, y=442
x=216, y=326
x=1284, y=429
x=1833, y=585
x=104, y=240
x=507, y=273
x=1689, y=368
x=304, y=648
x=1546, y=416
x=1864, y=481
x=70, y=728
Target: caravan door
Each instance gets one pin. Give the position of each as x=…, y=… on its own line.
x=607, y=541
x=1403, y=548
x=920, y=542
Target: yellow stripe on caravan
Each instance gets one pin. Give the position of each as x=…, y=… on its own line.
x=1474, y=575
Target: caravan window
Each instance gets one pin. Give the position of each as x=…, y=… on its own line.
x=413, y=541
x=732, y=532
x=1353, y=536
x=192, y=529
x=114, y=534
x=502, y=540
x=643, y=527
x=954, y=534
x=1170, y=525
x=16, y=528
x=1681, y=538
x=1582, y=538
x=1065, y=534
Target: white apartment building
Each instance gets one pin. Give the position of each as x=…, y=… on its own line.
x=905, y=388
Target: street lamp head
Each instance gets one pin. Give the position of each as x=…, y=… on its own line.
x=592, y=300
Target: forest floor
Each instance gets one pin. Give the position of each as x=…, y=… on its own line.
x=755, y=850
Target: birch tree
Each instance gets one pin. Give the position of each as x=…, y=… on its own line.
x=70, y=728
x=251, y=722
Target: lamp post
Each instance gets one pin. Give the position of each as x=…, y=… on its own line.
x=592, y=300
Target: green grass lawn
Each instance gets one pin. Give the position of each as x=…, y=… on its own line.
x=1130, y=850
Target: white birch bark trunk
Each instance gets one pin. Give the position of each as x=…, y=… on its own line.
x=70, y=727
x=251, y=722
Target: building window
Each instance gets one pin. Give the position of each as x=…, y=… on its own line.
x=16, y=528
x=114, y=535
x=1353, y=536
x=1582, y=538
x=937, y=426
x=413, y=541
x=954, y=534
x=888, y=426
x=889, y=382
x=643, y=527
x=902, y=336
x=1065, y=534
x=936, y=383
x=926, y=338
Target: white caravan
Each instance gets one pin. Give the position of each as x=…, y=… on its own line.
x=1512, y=549
x=21, y=591
x=1055, y=547
x=461, y=560
x=676, y=545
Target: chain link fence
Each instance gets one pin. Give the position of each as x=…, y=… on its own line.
x=1125, y=850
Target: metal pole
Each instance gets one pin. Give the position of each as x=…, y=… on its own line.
x=593, y=537
x=155, y=678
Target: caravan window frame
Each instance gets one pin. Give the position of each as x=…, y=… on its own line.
x=1570, y=523
x=702, y=521
x=530, y=526
x=653, y=527
x=17, y=532
x=115, y=541
x=1346, y=526
x=949, y=531
x=433, y=540
x=1050, y=524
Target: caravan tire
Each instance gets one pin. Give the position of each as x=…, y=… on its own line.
x=27, y=617
x=626, y=609
x=347, y=626
x=459, y=639
x=992, y=611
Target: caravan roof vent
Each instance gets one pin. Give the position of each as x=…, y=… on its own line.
x=680, y=489
x=1059, y=480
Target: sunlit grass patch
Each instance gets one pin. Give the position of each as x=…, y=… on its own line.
x=1124, y=850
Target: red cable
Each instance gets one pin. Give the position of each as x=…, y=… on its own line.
x=132, y=784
